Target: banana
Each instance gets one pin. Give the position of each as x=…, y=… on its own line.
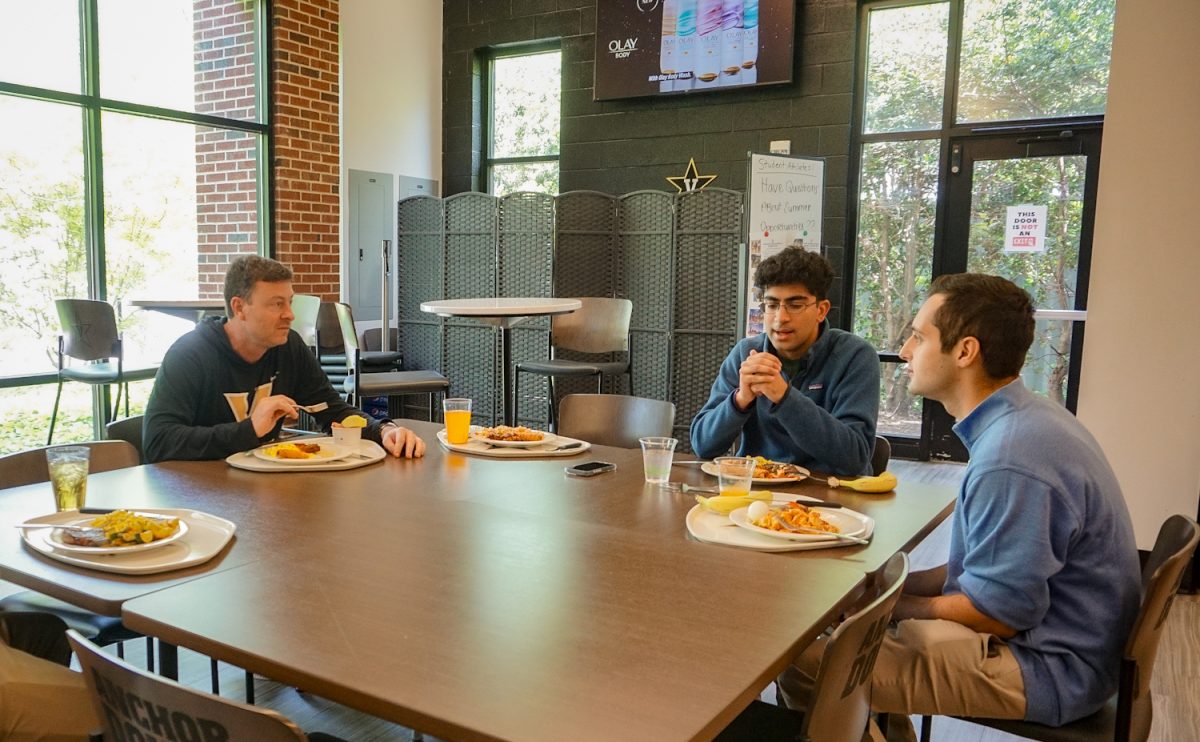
x=885, y=482
x=726, y=505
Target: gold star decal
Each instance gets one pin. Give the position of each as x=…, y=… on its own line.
x=691, y=180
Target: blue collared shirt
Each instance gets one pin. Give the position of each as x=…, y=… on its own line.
x=1042, y=541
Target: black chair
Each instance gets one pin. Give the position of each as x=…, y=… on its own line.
x=599, y=326
x=90, y=334
x=839, y=706
x=225, y=719
x=614, y=419
x=361, y=382
x=128, y=429
x=331, y=351
x=1128, y=715
x=880, y=456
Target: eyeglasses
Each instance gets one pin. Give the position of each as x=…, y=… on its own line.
x=793, y=306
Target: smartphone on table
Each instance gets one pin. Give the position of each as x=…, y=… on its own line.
x=589, y=469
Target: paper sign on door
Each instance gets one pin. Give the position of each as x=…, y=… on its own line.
x=1025, y=229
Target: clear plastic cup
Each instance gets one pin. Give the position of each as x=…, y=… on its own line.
x=656, y=458
x=457, y=414
x=68, y=467
x=735, y=474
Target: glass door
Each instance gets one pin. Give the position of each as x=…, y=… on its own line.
x=1022, y=206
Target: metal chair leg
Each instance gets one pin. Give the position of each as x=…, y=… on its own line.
x=216, y=678
x=54, y=414
x=926, y=728
x=516, y=395
x=249, y=687
x=553, y=402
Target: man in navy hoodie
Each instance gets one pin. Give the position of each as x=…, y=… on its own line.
x=228, y=385
x=802, y=392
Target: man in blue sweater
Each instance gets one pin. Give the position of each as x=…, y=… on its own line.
x=802, y=392
x=1028, y=617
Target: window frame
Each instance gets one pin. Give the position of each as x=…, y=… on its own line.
x=92, y=106
x=949, y=131
x=488, y=160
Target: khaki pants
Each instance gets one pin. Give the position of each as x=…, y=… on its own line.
x=40, y=700
x=927, y=667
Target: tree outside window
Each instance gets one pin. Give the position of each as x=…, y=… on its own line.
x=525, y=112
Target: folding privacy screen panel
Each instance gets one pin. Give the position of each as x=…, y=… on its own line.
x=675, y=256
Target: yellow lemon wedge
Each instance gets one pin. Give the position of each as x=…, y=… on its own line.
x=354, y=421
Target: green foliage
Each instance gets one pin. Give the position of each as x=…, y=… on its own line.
x=43, y=228
x=526, y=111
x=1019, y=59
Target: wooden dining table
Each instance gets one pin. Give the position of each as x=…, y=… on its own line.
x=483, y=598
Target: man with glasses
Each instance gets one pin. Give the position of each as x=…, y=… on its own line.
x=802, y=392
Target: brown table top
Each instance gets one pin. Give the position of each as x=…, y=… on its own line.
x=474, y=597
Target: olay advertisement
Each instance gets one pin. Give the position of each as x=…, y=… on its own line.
x=662, y=47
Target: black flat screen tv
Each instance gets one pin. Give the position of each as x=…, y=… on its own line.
x=675, y=47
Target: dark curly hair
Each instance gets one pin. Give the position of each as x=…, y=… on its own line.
x=796, y=265
x=993, y=310
x=248, y=270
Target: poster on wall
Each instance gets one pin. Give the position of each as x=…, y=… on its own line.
x=666, y=47
x=1025, y=228
x=784, y=199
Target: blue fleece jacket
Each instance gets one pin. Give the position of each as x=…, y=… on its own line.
x=1042, y=540
x=826, y=420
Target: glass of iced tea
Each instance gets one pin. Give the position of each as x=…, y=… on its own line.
x=68, y=475
x=457, y=413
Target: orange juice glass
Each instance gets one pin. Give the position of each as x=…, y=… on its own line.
x=735, y=474
x=457, y=413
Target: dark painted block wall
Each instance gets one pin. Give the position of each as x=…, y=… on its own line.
x=628, y=145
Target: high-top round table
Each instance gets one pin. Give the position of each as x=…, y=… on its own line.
x=189, y=309
x=502, y=313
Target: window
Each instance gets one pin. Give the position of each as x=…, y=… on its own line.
x=132, y=165
x=525, y=104
x=1020, y=68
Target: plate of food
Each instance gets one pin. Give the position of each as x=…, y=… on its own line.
x=118, y=532
x=508, y=436
x=766, y=471
x=824, y=522
x=302, y=453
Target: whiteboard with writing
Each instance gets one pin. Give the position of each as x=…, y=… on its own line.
x=785, y=197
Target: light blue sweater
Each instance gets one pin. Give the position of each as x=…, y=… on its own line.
x=826, y=421
x=1041, y=540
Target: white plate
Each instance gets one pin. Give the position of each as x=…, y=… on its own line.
x=330, y=451
x=365, y=453
x=478, y=447
x=207, y=536
x=848, y=525
x=714, y=528
x=710, y=468
x=545, y=439
x=55, y=538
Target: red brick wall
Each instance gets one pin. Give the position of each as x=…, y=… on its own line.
x=304, y=95
x=226, y=208
x=304, y=106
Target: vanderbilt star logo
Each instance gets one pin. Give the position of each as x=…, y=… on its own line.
x=691, y=180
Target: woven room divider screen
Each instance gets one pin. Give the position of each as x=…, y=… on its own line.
x=675, y=256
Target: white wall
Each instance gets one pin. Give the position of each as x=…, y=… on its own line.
x=1140, y=385
x=391, y=89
